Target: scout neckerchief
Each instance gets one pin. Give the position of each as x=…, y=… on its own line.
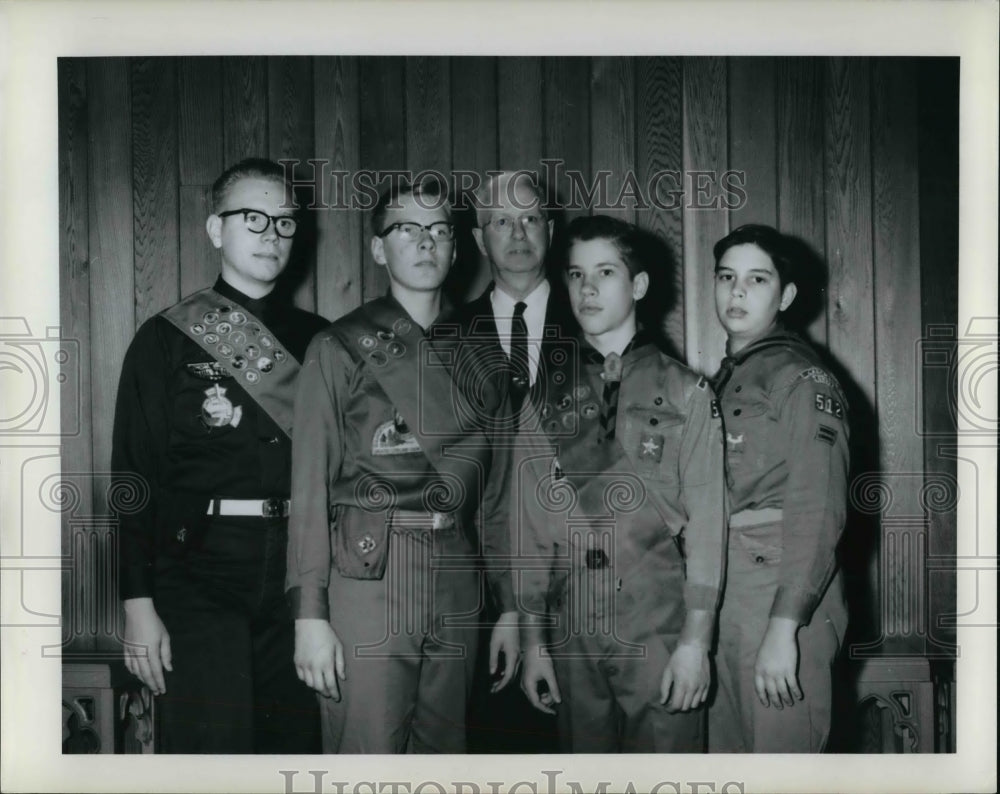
x=244, y=347
x=778, y=338
x=416, y=378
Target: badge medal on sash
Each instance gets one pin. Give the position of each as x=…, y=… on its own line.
x=217, y=410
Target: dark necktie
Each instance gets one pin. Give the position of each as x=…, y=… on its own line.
x=520, y=376
x=612, y=377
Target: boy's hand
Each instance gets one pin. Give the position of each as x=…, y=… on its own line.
x=686, y=678
x=774, y=674
x=319, y=656
x=147, y=644
x=538, y=679
x=505, y=640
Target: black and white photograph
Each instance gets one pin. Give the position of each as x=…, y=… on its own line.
x=599, y=410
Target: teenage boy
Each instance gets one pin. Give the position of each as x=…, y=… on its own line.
x=621, y=504
x=204, y=418
x=393, y=464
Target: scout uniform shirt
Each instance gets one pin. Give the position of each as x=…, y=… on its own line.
x=186, y=425
x=362, y=454
x=786, y=448
x=641, y=489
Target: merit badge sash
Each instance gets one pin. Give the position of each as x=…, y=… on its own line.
x=415, y=374
x=244, y=349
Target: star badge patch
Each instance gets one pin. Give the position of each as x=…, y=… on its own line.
x=651, y=447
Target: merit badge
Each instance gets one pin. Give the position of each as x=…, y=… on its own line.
x=378, y=358
x=564, y=402
x=396, y=349
x=651, y=447
x=367, y=341
x=239, y=362
x=264, y=364
x=207, y=370
x=581, y=392
x=279, y=355
x=367, y=544
x=237, y=318
x=266, y=341
x=252, y=376
x=253, y=329
x=198, y=329
x=546, y=410
x=226, y=350
x=589, y=411
x=217, y=410
x=552, y=427
x=568, y=420
x=224, y=309
x=402, y=326
x=211, y=339
x=252, y=352
x=558, y=378
x=211, y=318
x=394, y=437
x=223, y=328
x=238, y=338
x=385, y=336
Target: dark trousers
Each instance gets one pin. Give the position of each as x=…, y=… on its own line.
x=233, y=688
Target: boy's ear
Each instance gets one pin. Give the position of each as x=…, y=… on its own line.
x=640, y=283
x=213, y=225
x=788, y=295
x=378, y=250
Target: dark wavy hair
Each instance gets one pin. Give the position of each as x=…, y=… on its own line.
x=767, y=239
x=629, y=240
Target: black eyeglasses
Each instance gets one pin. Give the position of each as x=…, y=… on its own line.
x=440, y=231
x=258, y=221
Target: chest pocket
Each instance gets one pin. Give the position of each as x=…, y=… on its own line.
x=652, y=441
x=204, y=402
x=746, y=424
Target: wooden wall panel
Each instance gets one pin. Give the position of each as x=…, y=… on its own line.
x=659, y=166
x=705, y=156
x=111, y=244
x=383, y=140
x=154, y=185
x=428, y=114
x=800, y=173
x=612, y=135
x=896, y=249
x=753, y=139
x=200, y=141
x=519, y=112
x=567, y=129
x=339, y=247
x=74, y=311
x=244, y=108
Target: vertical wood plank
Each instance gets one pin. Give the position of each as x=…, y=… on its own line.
x=474, y=149
x=939, y=202
x=848, y=213
x=612, y=135
x=705, y=138
x=659, y=164
x=428, y=114
x=383, y=140
x=567, y=130
x=801, y=210
x=74, y=310
x=752, y=135
x=291, y=137
x=200, y=145
x=519, y=112
x=154, y=191
x=244, y=108
x=339, y=250
x=896, y=249
x=110, y=227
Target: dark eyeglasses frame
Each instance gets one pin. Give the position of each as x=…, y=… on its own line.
x=244, y=211
x=429, y=229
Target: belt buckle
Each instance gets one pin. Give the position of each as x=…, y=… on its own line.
x=597, y=559
x=273, y=508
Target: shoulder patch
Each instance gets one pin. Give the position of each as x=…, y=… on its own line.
x=828, y=405
x=816, y=374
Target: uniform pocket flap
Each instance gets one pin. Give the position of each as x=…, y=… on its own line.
x=760, y=551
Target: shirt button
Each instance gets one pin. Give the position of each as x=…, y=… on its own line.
x=658, y=401
x=737, y=412
x=759, y=558
x=654, y=421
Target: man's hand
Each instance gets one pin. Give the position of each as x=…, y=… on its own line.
x=686, y=678
x=147, y=644
x=774, y=675
x=319, y=656
x=538, y=671
x=505, y=639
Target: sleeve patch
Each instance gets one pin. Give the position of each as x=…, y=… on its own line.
x=828, y=405
x=827, y=435
x=716, y=411
x=817, y=375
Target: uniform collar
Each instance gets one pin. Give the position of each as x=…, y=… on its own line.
x=779, y=337
x=636, y=345
x=256, y=306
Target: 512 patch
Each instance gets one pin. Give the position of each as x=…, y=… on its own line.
x=828, y=405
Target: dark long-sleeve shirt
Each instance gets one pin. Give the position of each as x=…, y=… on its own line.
x=161, y=436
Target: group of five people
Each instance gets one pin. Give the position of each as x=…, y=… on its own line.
x=532, y=456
